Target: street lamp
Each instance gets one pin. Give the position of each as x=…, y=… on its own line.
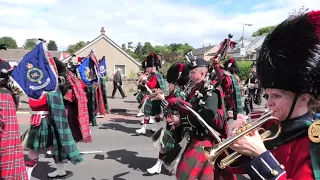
x=243, y=32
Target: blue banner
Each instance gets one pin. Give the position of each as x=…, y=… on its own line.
x=103, y=67
x=87, y=71
x=34, y=74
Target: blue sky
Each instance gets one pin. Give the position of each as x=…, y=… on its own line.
x=197, y=22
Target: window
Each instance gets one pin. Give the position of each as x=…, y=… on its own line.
x=122, y=67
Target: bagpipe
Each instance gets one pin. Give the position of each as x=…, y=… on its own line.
x=142, y=84
x=142, y=76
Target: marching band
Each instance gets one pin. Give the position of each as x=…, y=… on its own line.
x=197, y=140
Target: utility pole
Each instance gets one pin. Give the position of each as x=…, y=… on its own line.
x=243, y=37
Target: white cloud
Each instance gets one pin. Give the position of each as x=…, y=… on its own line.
x=30, y=2
x=163, y=22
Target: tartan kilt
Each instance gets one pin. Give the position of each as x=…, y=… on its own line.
x=170, y=139
x=40, y=137
x=104, y=93
x=152, y=108
x=147, y=107
x=140, y=96
x=194, y=165
x=91, y=91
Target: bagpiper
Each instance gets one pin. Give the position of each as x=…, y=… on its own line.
x=88, y=72
x=36, y=75
x=168, y=137
x=228, y=81
x=102, y=75
x=154, y=82
x=12, y=165
x=207, y=101
x=75, y=101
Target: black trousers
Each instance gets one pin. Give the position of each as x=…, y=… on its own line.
x=254, y=96
x=115, y=87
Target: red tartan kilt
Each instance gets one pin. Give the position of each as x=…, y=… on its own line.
x=194, y=165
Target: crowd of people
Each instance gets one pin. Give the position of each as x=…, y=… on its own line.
x=193, y=100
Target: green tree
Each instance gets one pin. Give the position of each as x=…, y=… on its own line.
x=147, y=48
x=180, y=48
x=161, y=49
x=138, y=49
x=264, y=31
x=9, y=42
x=30, y=43
x=52, y=46
x=186, y=48
x=174, y=47
x=75, y=47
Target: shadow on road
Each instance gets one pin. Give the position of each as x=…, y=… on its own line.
x=135, y=162
x=43, y=168
x=121, y=128
x=117, y=177
x=120, y=120
x=131, y=102
x=123, y=113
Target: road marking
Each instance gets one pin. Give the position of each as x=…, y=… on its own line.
x=93, y=152
x=23, y=112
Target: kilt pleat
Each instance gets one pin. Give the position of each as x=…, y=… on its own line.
x=140, y=96
x=152, y=108
x=147, y=107
x=104, y=93
x=40, y=137
x=194, y=164
x=91, y=91
x=171, y=138
x=168, y=141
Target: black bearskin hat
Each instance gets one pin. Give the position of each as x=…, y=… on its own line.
x=62, y=72
x=290, y=56
x=178, y=73
x=61, y=67
x=152, y=60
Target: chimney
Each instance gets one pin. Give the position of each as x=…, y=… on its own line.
x=102, y=31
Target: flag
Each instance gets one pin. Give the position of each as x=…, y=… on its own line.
x=87, y=70
x=103, y=67
x=35, y=74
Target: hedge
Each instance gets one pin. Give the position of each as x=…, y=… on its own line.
x=244, y=68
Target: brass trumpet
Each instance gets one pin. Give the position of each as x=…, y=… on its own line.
x=212, y=153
